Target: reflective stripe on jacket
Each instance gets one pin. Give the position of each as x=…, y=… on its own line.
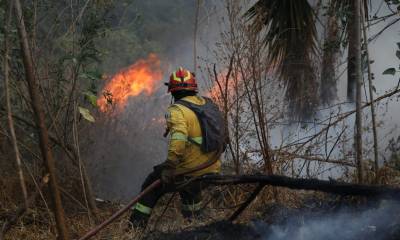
x=185, y=138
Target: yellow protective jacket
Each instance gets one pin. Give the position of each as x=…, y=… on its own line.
x=182, y=153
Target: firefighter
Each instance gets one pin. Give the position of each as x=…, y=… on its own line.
x=188, y=148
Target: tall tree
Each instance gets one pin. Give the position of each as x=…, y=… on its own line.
x=8, y=105
x=371, y=97
x=328, y=88
x=354, y=76
x=40, y=121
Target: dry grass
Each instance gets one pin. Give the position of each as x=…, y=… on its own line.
x=38, y=223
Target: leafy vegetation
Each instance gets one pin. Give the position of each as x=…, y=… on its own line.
x=273, y=66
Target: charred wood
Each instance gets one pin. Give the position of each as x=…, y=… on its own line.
x=247, y=202
x=340, y=188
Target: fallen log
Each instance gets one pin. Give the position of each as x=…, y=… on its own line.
x=247, y=202
x=340, y=188
x=328, y=186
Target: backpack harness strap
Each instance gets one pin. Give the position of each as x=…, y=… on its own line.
x=195, y=140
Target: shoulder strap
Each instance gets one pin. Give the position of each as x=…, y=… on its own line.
x=190, y=106
x=185, y=103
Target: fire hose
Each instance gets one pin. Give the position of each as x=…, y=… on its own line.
x=155, y=184
x=328, y=186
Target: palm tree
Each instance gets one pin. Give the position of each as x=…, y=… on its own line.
x=290, y=41
x=290, y=36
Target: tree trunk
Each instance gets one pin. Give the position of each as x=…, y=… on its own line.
x=371, y=97
x=354, y=78
x=328, y=91
x=86, y=185
x=40, y=123
x=8, y=105
x=329, y=186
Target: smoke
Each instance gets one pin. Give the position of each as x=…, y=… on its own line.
x=378, y=223
x=122, y=149
x=121, y=160
x=382, y=53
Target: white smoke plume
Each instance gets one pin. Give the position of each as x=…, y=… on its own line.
x=379, y=223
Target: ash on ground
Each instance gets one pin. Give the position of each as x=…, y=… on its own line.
x=314, y=220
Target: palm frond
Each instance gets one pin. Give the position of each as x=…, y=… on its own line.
x=286, y=24
x=290, y=38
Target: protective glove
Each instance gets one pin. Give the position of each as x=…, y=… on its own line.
x=168, y=172
x=167, y=176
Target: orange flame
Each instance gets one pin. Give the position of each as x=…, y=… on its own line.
x=215, y=90
x=142, y=76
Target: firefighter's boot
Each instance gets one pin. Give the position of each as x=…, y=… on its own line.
x=139, y=217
